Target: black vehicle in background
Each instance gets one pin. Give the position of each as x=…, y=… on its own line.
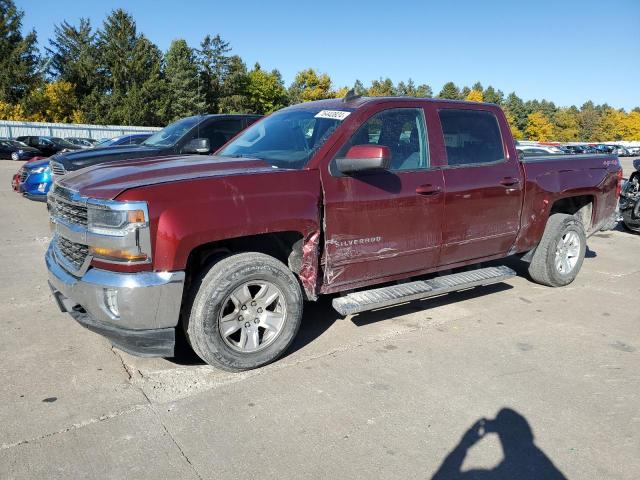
x=83, y=142
x=15, y=150
x=630, y=200
x=202, y=134
x=576, y=149
x=133, y=139
x=48, y=145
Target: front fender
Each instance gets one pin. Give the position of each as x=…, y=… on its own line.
x=187, y=214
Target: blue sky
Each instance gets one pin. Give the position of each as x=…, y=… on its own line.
x=567, y=51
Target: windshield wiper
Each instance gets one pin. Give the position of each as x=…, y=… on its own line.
x=242, y=155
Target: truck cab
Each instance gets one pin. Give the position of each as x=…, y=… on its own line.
x=343, y=196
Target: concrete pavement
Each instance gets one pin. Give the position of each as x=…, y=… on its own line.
x=386, y=394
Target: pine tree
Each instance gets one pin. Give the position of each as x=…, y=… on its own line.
x=19, y=58
x=72, y=56
x=359, y=89
x=185, y=95
x=130, y=89
x=491, y=95
x=382, y=88
x=411, y=90
x=450, y=91
x=214, y=68
x=234, y=88
x=515, y=106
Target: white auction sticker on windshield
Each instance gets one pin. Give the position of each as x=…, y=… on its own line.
x=333, y=114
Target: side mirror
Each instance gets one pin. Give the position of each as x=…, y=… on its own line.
x=361, y=158
x=197, y=145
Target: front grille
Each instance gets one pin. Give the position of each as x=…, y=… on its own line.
x=57, y=168
x=73, y=253
x=67, y=211
x=23, y=174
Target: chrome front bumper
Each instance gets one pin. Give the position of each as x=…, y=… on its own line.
x=144, y=301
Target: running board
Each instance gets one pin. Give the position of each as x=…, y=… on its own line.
x=384, y=297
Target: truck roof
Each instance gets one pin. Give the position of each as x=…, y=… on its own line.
x=357, y=102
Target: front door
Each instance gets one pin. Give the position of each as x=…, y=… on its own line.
x=483, y=187
x=383, y=224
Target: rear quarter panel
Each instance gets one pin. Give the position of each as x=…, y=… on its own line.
x=190, y=213
x=549, y=179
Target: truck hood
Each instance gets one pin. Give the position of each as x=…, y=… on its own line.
x=110, y=180
x=90, y=156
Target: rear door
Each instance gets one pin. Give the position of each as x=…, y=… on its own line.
x=383, y=224
x=483, y=185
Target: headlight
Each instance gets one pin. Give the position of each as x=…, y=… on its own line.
x=106, y=221
x=120, y=231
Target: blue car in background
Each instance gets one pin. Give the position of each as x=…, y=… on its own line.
x=133, y=139
x=35, y=179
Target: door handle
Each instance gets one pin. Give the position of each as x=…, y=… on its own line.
x=509, y=181
x=428, y=189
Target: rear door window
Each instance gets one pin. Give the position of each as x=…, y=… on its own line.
x=471, y=137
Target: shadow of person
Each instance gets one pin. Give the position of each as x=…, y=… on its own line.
x=523, y=460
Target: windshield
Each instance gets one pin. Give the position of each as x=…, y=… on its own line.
x=170, y=135
x=61, y=142
x=287, y=139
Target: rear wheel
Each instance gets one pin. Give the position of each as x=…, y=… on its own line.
x=246, y=310
x=560, y=253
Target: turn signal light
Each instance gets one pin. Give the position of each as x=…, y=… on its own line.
x=136, y=216
x=117, y=255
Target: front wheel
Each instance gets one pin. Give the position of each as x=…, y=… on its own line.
x=560, y=253
x=246, y=311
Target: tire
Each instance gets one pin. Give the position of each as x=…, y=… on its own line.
x=543, y=268
x=256, y=332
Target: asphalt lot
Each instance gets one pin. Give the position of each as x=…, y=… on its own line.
x=387, y=394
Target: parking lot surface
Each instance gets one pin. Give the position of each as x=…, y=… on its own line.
x=393, y=393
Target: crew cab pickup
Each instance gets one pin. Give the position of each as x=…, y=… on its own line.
x=200, y=134
x=359, y=196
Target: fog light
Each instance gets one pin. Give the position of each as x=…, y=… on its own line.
x=111, y=301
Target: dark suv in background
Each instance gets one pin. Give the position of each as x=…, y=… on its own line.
x=48, y=145
x=202, y=134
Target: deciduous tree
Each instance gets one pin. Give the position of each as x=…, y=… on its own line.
x=474, y=96
x=566, y=125
x=265, y=90
x=308, y=85
x=539, y=127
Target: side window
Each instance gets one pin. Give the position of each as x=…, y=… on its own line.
x=471, y=136
x=402, y=130
x=219, y=132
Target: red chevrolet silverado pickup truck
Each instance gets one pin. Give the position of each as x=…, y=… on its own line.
x=359, y=196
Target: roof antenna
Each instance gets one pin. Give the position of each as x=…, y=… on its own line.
x=351, y=95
